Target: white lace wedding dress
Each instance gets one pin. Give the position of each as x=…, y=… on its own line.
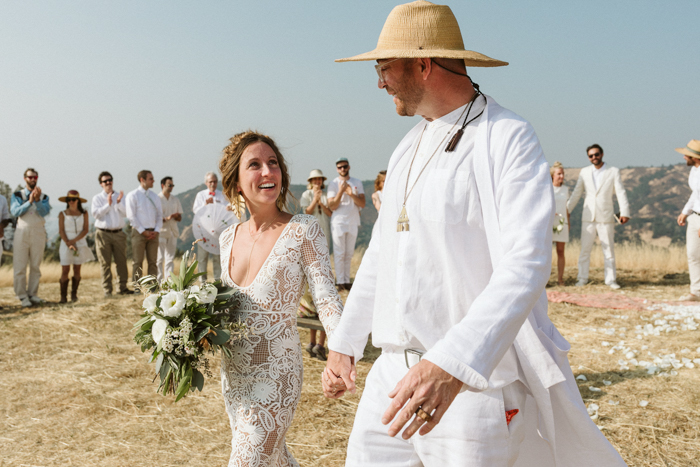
x=262, y=380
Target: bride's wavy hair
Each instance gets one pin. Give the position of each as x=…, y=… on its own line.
x=230, y=163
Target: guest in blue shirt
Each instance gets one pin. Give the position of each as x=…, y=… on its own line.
x=29, y=206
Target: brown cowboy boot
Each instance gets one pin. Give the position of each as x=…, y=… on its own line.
x=64, y=291
x=74, y=289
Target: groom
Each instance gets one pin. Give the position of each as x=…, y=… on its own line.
x=452, y=284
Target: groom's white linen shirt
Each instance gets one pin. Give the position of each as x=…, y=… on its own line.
x=598, y=173
x=106, y=216
x=434, y=284
x=693, y=204
x=144, y=210
x=201, y=199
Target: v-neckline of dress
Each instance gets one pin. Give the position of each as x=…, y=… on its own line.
x=269, y=255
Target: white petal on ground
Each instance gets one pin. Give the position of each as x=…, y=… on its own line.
x=582, y=378
x=643, y=403
x=594, y=389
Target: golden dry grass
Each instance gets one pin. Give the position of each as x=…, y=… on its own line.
x=631, y=256
x=76, y=390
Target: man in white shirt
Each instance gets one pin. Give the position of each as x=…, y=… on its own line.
x=600, y=182
x=455, y=272
x=690, y=215
x=346, y=197
x=4, y=221
x=109, y=209
x=145, y=214
x=209, y=196
x=172, y=214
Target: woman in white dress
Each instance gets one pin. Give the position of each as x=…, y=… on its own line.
x=378, y=190
x=267, y=260
x=561, y=219
x=73, y=226
x=314, y=202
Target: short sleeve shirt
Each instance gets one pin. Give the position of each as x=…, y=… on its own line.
x=347, y=215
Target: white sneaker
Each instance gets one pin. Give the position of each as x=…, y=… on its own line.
x=37, y=300
x=614, y=285
x=689, y=298
x=25, y=302
x=581, y=283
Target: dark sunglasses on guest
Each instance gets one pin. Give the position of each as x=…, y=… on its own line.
x=107, y=180
x=342, y=167
x=595, y=154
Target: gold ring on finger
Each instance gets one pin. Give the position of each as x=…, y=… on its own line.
x=424, y=415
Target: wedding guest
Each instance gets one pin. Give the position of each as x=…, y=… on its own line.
x=378, y=188
x=144, y=211
x=346, y=197
x=560, y=229
x=4, y=222
x=211, y=195
x=600, y=182
x=452, y=286
x=73, y=226
x=109, y=210
x=30, y=206
x=172, y=214
x=313, y=201
x=689, y=215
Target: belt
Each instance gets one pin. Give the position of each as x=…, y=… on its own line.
x=150, y=230
x=696, y=213
x=110, y=230
x=412, y=356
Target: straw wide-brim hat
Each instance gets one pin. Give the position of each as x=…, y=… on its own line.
x=692, y=149
x=316, y=174
x=72, y=194
x=423, y=30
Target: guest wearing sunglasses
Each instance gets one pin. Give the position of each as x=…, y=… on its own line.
x=600, y=182
x=346, y=198
x=30, y=206
x=109, y=209
x=73, y=226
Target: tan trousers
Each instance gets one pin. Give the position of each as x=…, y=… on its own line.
x=29, y=244
x=202, y=260
x=166, y=257
x=141, y=247
x=112, y=245
x=692, y=243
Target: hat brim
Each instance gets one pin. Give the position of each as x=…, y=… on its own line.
x=471, y=58
x=311, y=178
x=65, y=199
x=685, y=152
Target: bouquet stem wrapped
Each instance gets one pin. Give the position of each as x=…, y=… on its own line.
x=182, y=324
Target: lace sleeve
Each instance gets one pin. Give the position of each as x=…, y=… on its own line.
x=317, y=268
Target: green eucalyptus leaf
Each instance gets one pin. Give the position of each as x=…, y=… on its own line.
x=220, y=337
x=159, y=362
x=198, y=380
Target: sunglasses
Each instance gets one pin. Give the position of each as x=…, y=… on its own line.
x=72, y=200
x=380, y=68
x=342, y=167
x=107, y=180
x=595, y=154
x=32, y=177
x=170, y=186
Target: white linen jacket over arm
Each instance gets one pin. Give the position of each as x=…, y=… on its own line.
x=598, y=203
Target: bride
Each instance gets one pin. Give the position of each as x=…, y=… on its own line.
x=267, y=261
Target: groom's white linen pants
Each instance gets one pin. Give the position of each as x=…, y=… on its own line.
x=472, y=433
x=606, y=234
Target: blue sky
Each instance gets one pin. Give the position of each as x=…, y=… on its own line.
x=87, y=86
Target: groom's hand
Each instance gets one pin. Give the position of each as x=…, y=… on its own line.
x=425, y=386
x=339, y=375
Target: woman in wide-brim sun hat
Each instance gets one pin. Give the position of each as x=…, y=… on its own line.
x=73, y=226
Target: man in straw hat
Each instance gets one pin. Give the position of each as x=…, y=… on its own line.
x=452, y=284
x=691, y=216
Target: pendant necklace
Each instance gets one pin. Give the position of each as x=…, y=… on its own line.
x=262, y=231
x=402, y=224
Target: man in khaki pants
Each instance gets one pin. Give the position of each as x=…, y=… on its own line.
x=30, y=206
x=109, y=209
x=691, y=210
x=144, y=211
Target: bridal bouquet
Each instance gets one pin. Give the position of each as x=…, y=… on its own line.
x=181, y=324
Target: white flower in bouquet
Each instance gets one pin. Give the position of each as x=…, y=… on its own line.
x=158, y=330
x=172, y=303
x=205, y=294
x=149, y=303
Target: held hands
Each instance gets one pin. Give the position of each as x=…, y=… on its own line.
x=339, y=375
x=425, y=386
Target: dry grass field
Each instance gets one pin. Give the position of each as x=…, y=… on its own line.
x=75, y=389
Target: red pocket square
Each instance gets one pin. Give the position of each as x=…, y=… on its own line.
x=510, y=414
